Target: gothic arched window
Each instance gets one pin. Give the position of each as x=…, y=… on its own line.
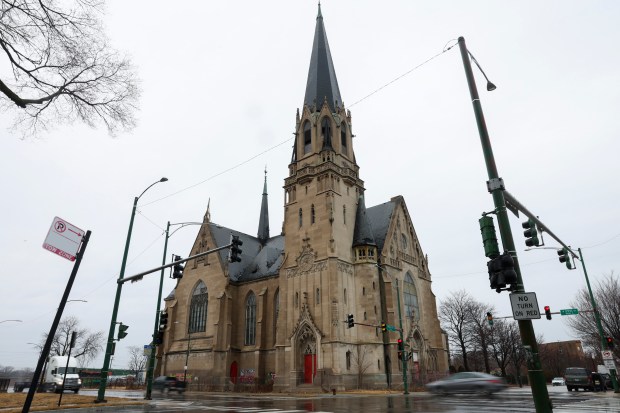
x=250, y=320
x=307, y=138
x=343, y=138
x=198, y=309
x=312, y=215
x=326, y=131
x=301, y=217
x=411, y=298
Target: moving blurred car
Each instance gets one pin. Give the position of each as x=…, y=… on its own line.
x=168, y=383
x=467, y=382
x=558, y=381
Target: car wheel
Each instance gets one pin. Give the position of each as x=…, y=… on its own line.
x=76, y=391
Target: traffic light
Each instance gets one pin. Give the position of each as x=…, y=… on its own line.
x=178, y=268
x=163, y=320
x=235, y=251
x=610, y=343
x=564, y=257
x=350, y=321
x=502, y=272
x=489, y=238
x=401, y=349
x=383, y=327
x=548, y=312
x=530, y=233
x=159, y=338
x=490, y=318
x=122, y=331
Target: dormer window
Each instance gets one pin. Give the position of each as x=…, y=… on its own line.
x=307, y=138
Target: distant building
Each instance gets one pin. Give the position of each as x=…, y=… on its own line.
x=277, y=318
x=557, y=356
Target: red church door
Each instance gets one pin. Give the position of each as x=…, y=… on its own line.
x=233, y=372
x=309, y=367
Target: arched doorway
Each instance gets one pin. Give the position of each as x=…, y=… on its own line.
x=307, y=347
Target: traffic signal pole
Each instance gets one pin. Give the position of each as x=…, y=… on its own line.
x=404, y=357
x=496, y=188
x=612, y=372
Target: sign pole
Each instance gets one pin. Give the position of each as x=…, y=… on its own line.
x=52, y=332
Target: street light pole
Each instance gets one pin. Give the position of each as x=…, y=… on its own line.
x=496, y=188
x=189, y=340
x=119, y=287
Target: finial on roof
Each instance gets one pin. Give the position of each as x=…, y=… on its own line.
x=207, y=217
x=263, y=221
x=319, y=15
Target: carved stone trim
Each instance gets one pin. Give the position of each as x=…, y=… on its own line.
x=305, y=319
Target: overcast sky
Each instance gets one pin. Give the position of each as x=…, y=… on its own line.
x=221, y=82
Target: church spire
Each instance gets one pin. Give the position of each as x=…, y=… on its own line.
x=322, y=83
x=263, y=222
x=363, y=231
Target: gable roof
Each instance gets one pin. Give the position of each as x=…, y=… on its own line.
x=380, y=217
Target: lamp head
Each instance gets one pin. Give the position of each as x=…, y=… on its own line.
x=490, y=86
x=164, y=179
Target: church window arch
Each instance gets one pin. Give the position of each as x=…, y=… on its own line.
x=344, y=214
x=312, y=215
x=276, y=312
x=198, y=309
x=250, y=320
x=326, y=131
x=318, y=296
x=301, y=217
x=412, y=309
x=403, y=241
x=345, y=295
x=348, y=358
x=307, y=137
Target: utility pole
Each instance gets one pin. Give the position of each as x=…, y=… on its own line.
x=496, y=187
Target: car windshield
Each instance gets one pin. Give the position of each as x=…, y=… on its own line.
x=576, y=372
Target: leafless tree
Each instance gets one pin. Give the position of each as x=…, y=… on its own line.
x=62, y=68
x=137, y=360
x=479, y=329
x=6, y=371
x=607, y=296
x=455, y=316
x=87, y=344
x=362, y=363
x=502, y=343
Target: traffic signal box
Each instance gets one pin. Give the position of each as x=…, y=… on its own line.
x=565, y=257
x=350, y=321
x=178, y=268
x=490, y=318
x=502, y=272
x=401, y=349
x=610, y=343
x=122, y=331
x=489, y=238
x=530, y=233
x=548, y=312
x=383, y=327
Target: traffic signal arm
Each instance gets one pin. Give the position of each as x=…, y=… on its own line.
x=139, y=276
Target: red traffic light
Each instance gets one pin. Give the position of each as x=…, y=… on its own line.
x=548, y=312
x=546, y=308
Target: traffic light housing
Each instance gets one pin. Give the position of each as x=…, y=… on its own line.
x=177, y=272
x=235, y=251
x=383, y=327
x=548, y=312
x=489, y=238
x=610, y=342
x=350, y=321
x=530, y=233
x=490, y=318
x=122, y=331
x=401, y=348
x=159, y=338
x=502, y=272
x=565, y=257
x=163, y=320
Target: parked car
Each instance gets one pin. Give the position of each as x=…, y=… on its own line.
x=168, y=383
x=578, y=377
x=558, y=381
x=467, y=382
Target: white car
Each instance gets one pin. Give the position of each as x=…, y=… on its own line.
x=558, y=381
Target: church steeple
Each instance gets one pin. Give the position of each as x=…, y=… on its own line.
x=263, y=222
x=322, y=83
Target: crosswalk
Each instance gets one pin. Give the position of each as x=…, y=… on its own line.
x=171, y=405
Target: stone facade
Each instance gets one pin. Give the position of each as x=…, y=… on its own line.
x=277, y=319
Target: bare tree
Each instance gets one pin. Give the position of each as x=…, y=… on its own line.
x=607, y=295
x=87, y=344
x=454, y=313
x=137, y=360
x=62, y=67
x=502, y=343
x=480, y=330
x=362, y=363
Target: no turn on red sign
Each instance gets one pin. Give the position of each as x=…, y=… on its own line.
x=63, y=239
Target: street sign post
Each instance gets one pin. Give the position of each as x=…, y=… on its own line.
x=569, y=311
x=63, y=239
x=524, y=306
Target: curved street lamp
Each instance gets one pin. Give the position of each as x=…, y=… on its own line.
x=119, y=287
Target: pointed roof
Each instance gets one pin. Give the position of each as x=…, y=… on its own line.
x=263, y=221
x=322, y=83
x=363, y=231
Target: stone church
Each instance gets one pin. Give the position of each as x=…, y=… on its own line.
x=278, y=318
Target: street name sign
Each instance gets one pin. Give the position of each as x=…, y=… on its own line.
x=63, y=239
x=569, y=311
x=524, y=306
x=389, y=327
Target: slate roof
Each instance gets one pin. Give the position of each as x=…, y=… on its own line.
x=363, y=234
x=322, y=82
x=257, y=261
x=380, y=217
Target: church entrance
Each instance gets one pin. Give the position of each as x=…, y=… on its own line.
x=309, y=367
